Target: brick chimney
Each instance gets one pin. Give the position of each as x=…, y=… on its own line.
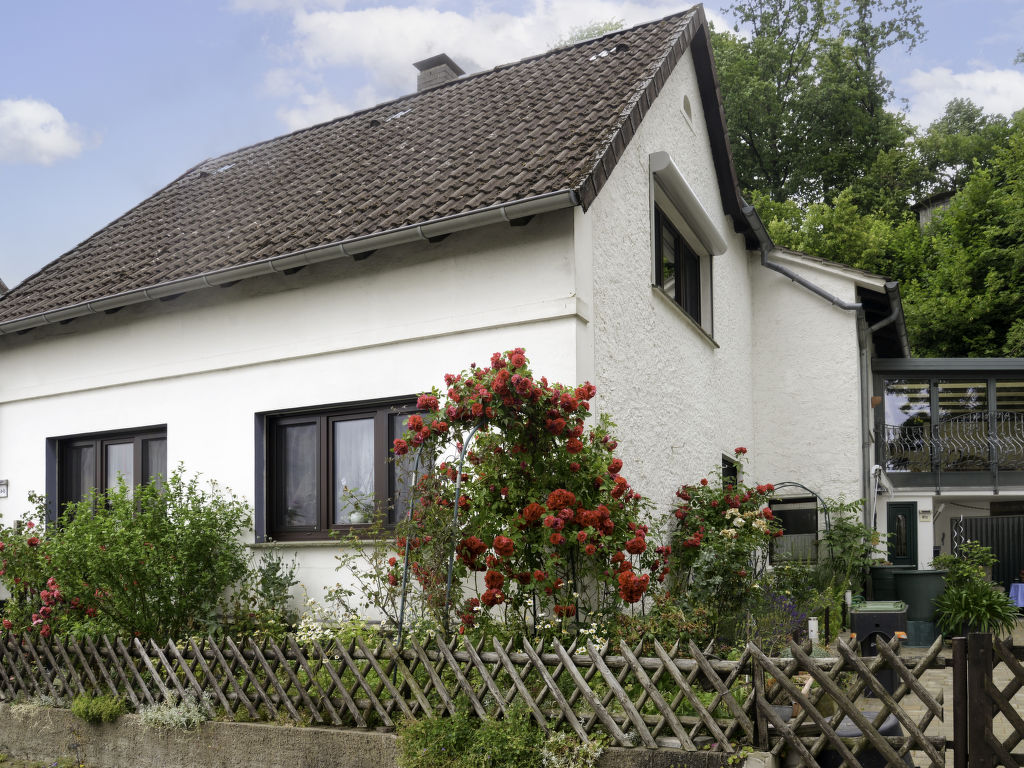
x=436, y=70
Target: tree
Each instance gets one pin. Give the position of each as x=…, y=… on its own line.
x=968, y=300
x=958, y=141
x=803, y=96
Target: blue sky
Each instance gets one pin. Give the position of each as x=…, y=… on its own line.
x=104, y=102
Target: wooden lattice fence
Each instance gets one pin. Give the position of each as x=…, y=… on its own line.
x=678, y=697
x=988, y=712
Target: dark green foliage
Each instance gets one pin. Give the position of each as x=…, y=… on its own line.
x=97, y=709
x=803, y=96
x=971, y=602
x=463, y=741
x=153, y=561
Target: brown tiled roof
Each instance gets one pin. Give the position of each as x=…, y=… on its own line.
x=554, y=122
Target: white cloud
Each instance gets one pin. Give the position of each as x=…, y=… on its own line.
x=995, y=90
x=34, y=132
x=382, y=42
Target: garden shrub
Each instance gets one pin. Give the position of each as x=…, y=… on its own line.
x=186, y=715
x=547, y=522
x=97, y=709
x=515, y=741
x=719, y=550
x=970, y=602
x=151, y=562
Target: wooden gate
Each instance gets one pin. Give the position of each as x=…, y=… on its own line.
x=987, y=720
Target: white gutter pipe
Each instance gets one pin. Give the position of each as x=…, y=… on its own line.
x=428, y=230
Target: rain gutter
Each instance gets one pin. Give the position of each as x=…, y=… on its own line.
x=423, y=232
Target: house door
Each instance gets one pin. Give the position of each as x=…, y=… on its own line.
x=903, y=532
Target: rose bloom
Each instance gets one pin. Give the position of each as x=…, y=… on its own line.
x=33, y=541
x=401, y=447
x=494, y=580
x=503, y=545
x=556, y=539
x=532, y=512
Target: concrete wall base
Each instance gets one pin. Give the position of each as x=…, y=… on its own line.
x=46, y=734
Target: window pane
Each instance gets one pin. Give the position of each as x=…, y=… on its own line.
x=353, y=471
x=298, y=468
x=80, y=469
x=667, y=278
x=119, y=463
x=961, y=433
x=691, y=283
x=403, y=472
x=154, y=460
x=907, y=425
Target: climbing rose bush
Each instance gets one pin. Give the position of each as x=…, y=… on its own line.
x=548, y=526
x=719, y=548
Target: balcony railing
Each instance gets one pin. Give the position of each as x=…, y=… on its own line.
x=951, y=422
x=957, y=445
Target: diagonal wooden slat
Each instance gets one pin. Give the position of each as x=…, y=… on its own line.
x=659, y=701
x=552, y=686
x=841, y=701
x=724, y=694
x=180, y=662
x=325, y=699
x=296, y=683
x=706, y=718
x=385, y=680
x=200, y=660
x=521, y=688
x=344, y=692
x=890, y=703
x=96, y=687
x=282, y=695
x=39, y=669
x=115, y=661
x=588, y=695
x=489, y=683
x=624, y=701
x=126, y=656
x=140, y=651
x=100, y=664
x=250, y=677
x=169, y=668
x=460, y=678
x=409, y=679
x=910, y=681
x=435, y=678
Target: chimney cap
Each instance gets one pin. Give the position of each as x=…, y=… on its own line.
x=441, y=59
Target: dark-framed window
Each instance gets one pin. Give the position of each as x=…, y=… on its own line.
x=330, y=469
x=676, y=266
x=798, y=517
x=97, y=461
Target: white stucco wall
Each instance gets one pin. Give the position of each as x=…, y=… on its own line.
x=206, y=363
x=679, y=401
x=806, y=380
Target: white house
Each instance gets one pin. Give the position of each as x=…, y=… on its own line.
x=265, y=316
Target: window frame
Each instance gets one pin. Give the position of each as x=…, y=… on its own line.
x=59, y=448
x=271, y=468
x=804, y=506
x=693, y=297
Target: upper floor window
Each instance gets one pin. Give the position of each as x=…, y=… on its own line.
x=99, y=461
x=676, y=266
x=685, y=239
x=330, y=469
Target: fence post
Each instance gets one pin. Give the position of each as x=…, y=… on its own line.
x=760, y=722
x=961, y=716
x=979, y=661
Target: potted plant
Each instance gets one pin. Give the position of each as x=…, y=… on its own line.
x=972, y=603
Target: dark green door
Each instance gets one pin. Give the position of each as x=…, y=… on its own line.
x=903, y=532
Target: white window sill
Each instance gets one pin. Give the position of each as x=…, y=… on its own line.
x=706, y=337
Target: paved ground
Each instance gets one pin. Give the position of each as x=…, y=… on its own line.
x=936, y=680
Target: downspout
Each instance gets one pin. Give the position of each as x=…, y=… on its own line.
x=863, y=337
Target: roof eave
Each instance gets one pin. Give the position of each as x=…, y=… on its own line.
x=420, y=232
